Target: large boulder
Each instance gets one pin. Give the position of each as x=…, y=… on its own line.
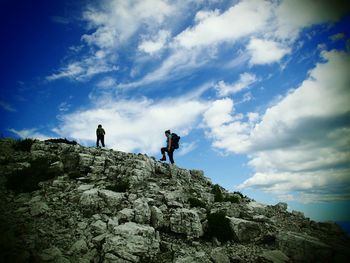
x=142, y=211
x=132, y=242
x=244, y=230
x=303, y=248
x=186, y=221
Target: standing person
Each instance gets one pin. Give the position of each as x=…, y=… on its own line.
x=100, y=133
x=172, y=144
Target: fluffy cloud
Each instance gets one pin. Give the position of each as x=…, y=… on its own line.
x=301, y=143
x=156, y=43
x=133, y=125
x=245, y=80
x=115, y=21
x=29, y=133
x=293, y=16
x=240, y=20
x=264, y=51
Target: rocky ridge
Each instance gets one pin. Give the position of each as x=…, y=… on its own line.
x=97, y=205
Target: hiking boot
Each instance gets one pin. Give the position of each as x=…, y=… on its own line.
x=162, y=159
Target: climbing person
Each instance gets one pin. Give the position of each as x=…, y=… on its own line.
x=172, y=144
x=100, y=133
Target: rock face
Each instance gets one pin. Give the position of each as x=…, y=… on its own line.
x=68, y=203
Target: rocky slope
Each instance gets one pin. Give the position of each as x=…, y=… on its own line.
x=96, y=205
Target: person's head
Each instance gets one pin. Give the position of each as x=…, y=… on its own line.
x=100, y=126
x=167, y=132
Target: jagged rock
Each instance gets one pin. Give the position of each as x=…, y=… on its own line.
x=112, y=199
x=38, y=208
x=303, y=248
x=186, y=221
x=90, y=200
x=157, y=217
x=99, y=227
x=281, y=206
x=126, y=215
x=79, y=246
x=244, y=230
x=132, y=241
x=142, y=211
x=74, y=218
x=218, y=255
x=273, y=256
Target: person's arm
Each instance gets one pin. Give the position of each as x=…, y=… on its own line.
x=104, y=132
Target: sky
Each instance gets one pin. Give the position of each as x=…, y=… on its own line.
x=258, y=90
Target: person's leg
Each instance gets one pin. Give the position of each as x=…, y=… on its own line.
x=103, y=140
x=97, y=142
x=163, y=150
x=171, y=155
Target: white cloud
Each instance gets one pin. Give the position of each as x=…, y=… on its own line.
x=84, y=69
x=245, y=80
x=156, y=43
x=242, y=19
x=29, y=133
x=293, y=16
x=133, y=125
x=264, y=51
x=116, y=21
x=304, y=135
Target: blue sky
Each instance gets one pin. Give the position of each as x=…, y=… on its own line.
x=257, y=90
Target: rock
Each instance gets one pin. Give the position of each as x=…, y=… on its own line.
x=90, y=200
x=303, y=248
x=142, y=211
x=79, y=246
x=274, y=256
x=244, y=230
x=132, y=241
x=157, y=217
x=126, y=215
x=112, y=199
x=99, y=227
x=281, y=206
x=218, y=255
x=38, y=208
x=50, y=254
x=186, y=221
x=74, y=218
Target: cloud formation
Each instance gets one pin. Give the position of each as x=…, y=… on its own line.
x=305, y=135
x=133, y=125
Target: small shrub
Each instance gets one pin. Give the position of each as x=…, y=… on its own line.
x=61, y=140
x=240, y=194
x=232, y=199
x=27, y=179
x=74, y=174
x=194, y=202
x=23, y=145
x=120, y=186
x=219, y=227
x=218, y=196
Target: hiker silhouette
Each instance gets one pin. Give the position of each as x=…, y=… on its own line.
x=172, y=144
x=100, y=134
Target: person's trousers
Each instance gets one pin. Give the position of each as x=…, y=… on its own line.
x=102, y=139
x=170, y=153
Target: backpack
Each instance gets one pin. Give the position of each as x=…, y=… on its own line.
x=175, y=140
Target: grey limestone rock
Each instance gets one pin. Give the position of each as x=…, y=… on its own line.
x=132, y=241
x=151, y=212
x=245, y=230
x=186, y=221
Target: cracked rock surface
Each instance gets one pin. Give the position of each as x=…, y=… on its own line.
x=98, y=205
